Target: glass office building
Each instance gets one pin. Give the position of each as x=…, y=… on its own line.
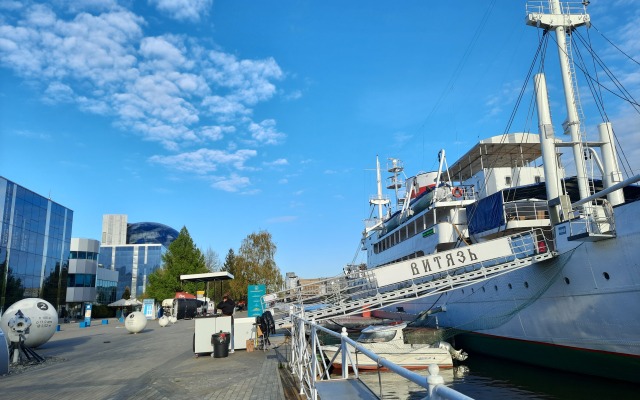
x=35, y=236
x=134, y=263
x=136, y=254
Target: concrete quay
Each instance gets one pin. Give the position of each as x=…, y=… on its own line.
x=108, y=362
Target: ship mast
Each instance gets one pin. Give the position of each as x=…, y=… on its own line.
x=379, y=200
x=562, y=22
x=572, y=124
x=597, y=218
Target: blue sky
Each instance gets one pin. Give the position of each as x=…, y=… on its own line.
x=231, y=117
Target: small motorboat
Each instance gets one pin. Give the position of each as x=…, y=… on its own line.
x=387, y=341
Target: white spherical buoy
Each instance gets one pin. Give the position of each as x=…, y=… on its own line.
x=135, y=322
x=163, y=321
x=42, y=316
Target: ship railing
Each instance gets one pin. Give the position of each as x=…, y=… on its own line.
x=320, y=293
x=566, y=8
x=455, y=193
x=526, y=210
x=308, y=363
x=365, y=290
x=595, y=217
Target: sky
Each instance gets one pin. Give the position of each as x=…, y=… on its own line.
x=232, y=117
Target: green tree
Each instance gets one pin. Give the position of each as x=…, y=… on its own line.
x=226, y=267
x=126, y=294
x=182, y=257
x=255, y=265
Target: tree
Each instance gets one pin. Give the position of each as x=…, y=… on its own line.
x=226, y=267
x=126, y=294
x=182, y=257
x=255, y=265
x=211, y=260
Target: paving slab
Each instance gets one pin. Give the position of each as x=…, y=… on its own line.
x=108, y=362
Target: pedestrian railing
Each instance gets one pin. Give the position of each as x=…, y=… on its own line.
x=308, y=364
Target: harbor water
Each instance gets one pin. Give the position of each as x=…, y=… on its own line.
x=483, y=377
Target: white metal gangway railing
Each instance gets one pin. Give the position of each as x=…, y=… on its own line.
x=308, y=364
x=366, y=290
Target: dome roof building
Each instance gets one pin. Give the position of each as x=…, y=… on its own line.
x=150, y=232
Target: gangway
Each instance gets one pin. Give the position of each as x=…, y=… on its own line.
x=366, y=290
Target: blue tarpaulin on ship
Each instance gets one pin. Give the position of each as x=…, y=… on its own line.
x=487, y=213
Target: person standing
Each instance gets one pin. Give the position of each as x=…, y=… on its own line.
x=227, y=305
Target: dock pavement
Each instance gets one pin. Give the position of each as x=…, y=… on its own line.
x=105, y=361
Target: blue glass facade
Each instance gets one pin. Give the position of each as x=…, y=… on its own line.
x=134, y=263
x=106, y=286
x=35, y=235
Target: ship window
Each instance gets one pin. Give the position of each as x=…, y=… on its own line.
x=537, y=179
x=377, y=336
x=510, y=287
x=606, y=275
x=507, y=180
x=566, y=280
x=496, y=287
x=526, y=284
x=483, y=289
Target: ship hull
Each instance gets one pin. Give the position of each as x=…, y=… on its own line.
x=576, y=360
x=572, y=312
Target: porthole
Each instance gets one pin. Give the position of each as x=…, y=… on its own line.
x=473, y=290
x=462, y=291
x=483, y=289
x=510, y=287
x=526, y=284
x=606, y=275
x=496, y=287
x=566, y=280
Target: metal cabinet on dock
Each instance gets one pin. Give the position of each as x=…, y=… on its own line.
x=205, y=327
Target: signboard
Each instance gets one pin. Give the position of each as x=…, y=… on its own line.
x=441, y=261
x=87, y=314
x=254, y=300
x=147, y=308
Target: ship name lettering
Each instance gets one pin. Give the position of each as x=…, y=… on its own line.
x=426, y=265
x=472, y=256
x=437, y=259
x=461, y=256
x=450, y=262
x=414, y=269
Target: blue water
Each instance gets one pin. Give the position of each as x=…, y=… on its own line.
x=482, y=377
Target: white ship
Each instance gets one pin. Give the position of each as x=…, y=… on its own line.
x=576, y=306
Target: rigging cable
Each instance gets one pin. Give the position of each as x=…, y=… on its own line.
x=540, y=52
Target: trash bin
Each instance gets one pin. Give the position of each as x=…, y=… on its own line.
x=220, y=342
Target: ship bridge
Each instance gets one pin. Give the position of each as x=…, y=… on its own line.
x=370, y=289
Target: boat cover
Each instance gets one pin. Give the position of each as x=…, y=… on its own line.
x=488, y=213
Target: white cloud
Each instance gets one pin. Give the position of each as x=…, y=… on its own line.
x=203, y=161
x=277, y=163
x=184, y=10
x=167, y=88
x=232, y=183
x=266, y=132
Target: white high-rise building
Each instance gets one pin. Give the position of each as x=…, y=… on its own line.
x=114, y=229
